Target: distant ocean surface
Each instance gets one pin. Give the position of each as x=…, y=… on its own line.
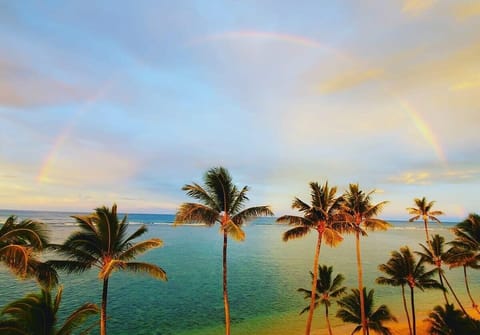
x=264, y=274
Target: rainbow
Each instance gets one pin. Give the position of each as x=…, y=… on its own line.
x=424, y=129
x=416, y=118
x=253, y=34
x=48, y=162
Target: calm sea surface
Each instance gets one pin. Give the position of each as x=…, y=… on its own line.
x=264, y=274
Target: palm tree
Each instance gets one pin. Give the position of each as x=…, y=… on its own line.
x=36, y=314
x=350, y=312
x=327, y=290
x=451, y=321
x=436, y=256
x=361, y=214
x=403, y=270
x=20, y=244
x=321, y=216
x=102, y=242
x=466, y=249
x=220, y=202
x=424, y=211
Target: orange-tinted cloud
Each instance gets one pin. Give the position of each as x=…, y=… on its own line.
x=23, y=86
x=415, y=7
x=465, y=11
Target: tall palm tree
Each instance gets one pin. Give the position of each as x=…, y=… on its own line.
x=424, y=211
x=328, y=288
x=20, y=243
x=451, y=321
x=436, y=256
x=223, y=203
x=350, y=312
x=321, y=215
x=466, y=249
x=37, y=313
x=403, y=270
x=361, y=214
x=102, y=241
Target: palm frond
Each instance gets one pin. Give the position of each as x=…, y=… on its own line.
x=196, y=213
x=198, y=192
x=295, y=220
x=300, y=205
x=251, y=213
x=140, y=248
x=70, y=266
x=150, y=269
x=78, y=317
x=139, y=232
x=332, y=237
x=234, y=231
x=110, y=266
x=376, y=224
x=295, y=232
x=239, y=201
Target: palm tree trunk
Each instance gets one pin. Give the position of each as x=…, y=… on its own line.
x=414, y=321
x=425, y=222
x=225, y=292
x=455, y=296
x=406, y=310
x=443, y=286
x=103, y=312
x=360, y=283
x=328, y=320
x=474, y=304
x=314, y=284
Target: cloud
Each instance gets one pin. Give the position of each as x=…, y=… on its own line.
x=350, y=79
x=467, y=10
x=415, y=7
x=23, y=86
x=451, y=176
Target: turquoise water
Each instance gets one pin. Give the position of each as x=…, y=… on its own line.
x=264, y=273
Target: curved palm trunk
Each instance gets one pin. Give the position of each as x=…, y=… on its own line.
x=414, y=321
x=314, y=284
x=103, y=312
x=360, y=284
x=455, y=296
x=474, y=304
x=406, y=310
x=225, y=292
x=443, y=286
x=328, y=320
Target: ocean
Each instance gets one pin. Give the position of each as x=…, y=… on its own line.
x=264, y=274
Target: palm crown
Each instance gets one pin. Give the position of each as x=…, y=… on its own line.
x=322, y=214
x=19, y=245
x=37, y=313
x=102, y=241
x=220, y=202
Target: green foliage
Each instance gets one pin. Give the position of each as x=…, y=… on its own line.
x=350, y=312
x=360, y=212
x=320, y=214
x=220, y=201
x=20, y=244
x=450, y=321
x=102, y=241
x=328, y=287
x=36, y=314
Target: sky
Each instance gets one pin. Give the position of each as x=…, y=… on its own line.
x=126, y=102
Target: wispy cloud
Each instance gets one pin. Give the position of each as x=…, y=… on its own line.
x=466, y=10
x=415, y=7
x=23, y=86
x=350, y=79
x=422, y=177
